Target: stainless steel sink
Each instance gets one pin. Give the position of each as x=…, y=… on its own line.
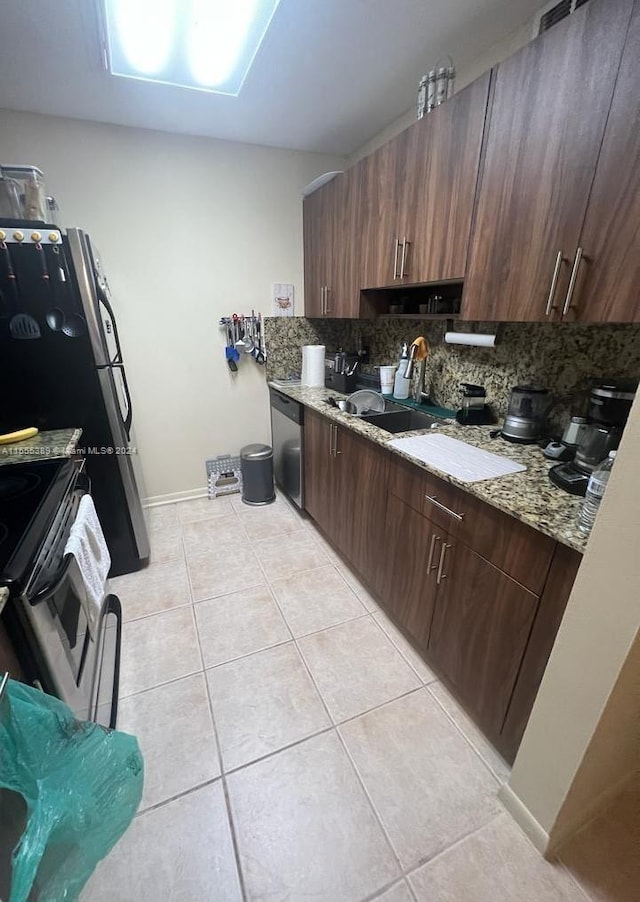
x=400, y=419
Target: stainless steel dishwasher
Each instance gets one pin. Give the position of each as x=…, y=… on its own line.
x=287, y=419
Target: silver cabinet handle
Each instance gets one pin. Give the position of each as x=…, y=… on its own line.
x=330, y=439
x=442, y=507
x=430, y=565
x=403, y=259
x=335, y=445
x=323, y=299
x=443, y=552
x=572, y=281
x=395, y=258
x=554, y=284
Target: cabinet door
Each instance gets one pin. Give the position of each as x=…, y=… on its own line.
x=548, y=114
x=553, y=602
x=384, y=221
x=321, y=472
x=343, y=279
x=608, y=286
x=480, y=628
x=363, y=501
x=412, y=549
x=315, y=243
x=442, y=170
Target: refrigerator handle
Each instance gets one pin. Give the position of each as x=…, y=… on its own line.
x=103, y=299
x=129, y=419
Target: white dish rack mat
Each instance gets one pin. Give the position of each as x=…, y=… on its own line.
x=457, y=459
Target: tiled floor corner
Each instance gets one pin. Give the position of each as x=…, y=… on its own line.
x=296, y=745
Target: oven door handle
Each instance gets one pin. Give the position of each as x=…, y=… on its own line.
x=54, y=584
x=113, y=606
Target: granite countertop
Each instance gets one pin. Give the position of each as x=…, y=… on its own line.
x=51, y=443
x=529, y=495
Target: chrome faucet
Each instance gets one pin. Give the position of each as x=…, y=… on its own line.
x=418, y=393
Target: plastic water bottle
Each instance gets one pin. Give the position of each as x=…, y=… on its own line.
x=595, y=490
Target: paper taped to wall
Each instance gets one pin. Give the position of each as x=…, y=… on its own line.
x=457, y=459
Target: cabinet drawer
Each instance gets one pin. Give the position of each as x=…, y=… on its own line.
x=510, y=545
x=425, y=493
x=513, y=547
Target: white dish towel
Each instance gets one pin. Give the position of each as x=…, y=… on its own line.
x=87, y=544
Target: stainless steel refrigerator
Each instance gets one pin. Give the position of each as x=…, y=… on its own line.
x=62, y=366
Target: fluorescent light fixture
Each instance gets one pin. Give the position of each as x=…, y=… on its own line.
x=208, y=45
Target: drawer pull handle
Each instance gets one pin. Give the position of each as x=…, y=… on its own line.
x=441, y=574
x=430, y=565
x=395, y=258
x=442, y=507
x=403, y=258
x=554, y=284
x=572, y=281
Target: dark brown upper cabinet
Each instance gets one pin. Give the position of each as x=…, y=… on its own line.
x=607, y=285
x=547, y=119
x=417, y=195
x=331, y=254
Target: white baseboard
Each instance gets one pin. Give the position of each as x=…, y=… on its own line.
x=523, y=817
x=189, y=495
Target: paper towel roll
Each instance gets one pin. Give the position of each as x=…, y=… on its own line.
x=313, y=366
x=470, y=338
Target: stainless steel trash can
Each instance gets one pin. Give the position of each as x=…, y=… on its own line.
x=256, y=463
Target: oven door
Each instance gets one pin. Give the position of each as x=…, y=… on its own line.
x=80, y=669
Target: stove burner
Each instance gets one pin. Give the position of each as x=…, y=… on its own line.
x=12, y=487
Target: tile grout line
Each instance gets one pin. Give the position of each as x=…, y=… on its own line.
x=353, y=768
x=429, y=859
x=398, y=649
x=466, y=738
x=373, y=808
x=178, y=795
x=331, y=726
x=340, y=740
x=223, y=779
x=379, y=893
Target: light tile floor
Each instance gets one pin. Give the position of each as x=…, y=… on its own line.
x=296, y=746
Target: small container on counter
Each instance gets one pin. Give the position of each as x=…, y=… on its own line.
x=32, y=196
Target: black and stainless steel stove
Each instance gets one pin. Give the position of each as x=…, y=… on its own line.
x=44, y=615
x=30, y=496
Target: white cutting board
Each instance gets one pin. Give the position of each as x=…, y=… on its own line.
x=457, y=459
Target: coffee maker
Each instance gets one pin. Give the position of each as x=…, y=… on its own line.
x=609, y=406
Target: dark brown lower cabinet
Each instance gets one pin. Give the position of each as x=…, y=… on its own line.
x=409, y=585
x=480, y=628
x=362, y=503
x=321, y=474
x=562, y=575
x=478, y=593
x=346, y=492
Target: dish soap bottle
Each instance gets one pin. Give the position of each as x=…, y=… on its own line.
x=401, y=384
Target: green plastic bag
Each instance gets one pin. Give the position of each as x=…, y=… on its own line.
x=82, y=785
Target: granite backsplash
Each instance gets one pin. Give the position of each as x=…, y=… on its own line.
x=564, y=357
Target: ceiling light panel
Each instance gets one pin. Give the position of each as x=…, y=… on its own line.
x=208, y=45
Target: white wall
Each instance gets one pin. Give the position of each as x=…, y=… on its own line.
x=190, y=229
x=583, y=738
